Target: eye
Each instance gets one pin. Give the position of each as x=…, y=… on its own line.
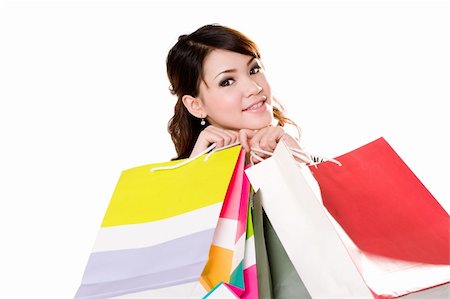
x=226, y=82
x=255, y=69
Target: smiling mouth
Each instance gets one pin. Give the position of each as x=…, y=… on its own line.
x=256, y=106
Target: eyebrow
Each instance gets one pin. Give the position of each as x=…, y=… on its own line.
x=234, y=70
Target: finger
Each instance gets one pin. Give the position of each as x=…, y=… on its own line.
x=255, y=161
x=244, y=136
x=231, y=136
x=268, y=142
x=243, y=139
x=254, y=158
x=271, y=138
x=225, y=137
x=234, y=136
x=259, y=154
x=212, y=135
x=217, y=139
x=256, y=139
x=290, y=141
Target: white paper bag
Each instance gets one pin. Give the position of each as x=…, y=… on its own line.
x=301, y=223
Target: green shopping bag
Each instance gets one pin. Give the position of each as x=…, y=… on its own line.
x=264, y=277
x=281, y=279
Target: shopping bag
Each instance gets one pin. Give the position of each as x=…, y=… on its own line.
x=158, y=228
x=262, y=260
x=222, y=291
x=396, y=231
x=244, y=281
x=303, y=227
x=228, y=244
x=286, y=283
x=231, y=262
x=386, y=276
x=250, y=266
x=282, y=280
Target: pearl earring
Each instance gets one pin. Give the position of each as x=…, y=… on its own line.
x=203, y=122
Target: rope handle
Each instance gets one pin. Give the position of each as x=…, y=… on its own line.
x=304, y=156
x=211, y=150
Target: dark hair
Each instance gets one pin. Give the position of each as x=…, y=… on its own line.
x=185, y=71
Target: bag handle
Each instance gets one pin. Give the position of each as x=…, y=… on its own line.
x=304, y=156
x=211, y=150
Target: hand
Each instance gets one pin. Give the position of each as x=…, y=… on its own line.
x=212, y=134
x=265, y=139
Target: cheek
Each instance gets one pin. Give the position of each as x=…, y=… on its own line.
x=227, y=102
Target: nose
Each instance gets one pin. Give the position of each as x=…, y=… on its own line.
x=252, y=88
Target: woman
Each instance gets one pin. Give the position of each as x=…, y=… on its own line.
x=224, y=97
x=223, y=94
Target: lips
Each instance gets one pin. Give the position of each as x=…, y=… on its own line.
x=256, y=105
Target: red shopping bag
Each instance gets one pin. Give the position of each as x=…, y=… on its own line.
x=383, y=206
x=368, y=228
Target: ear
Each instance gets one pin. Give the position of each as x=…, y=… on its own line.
x=194, y=106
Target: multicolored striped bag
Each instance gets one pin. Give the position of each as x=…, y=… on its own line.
x=231, y=266
x=156, y=235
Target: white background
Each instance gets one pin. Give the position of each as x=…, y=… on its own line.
x=85, y=95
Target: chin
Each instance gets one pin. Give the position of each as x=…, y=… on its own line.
x=259, y=124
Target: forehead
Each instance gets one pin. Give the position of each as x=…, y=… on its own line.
x=221, y=60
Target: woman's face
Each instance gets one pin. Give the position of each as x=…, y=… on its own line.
x=235, y=93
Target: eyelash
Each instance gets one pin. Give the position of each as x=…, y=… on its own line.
x=226, y=83
x=257, y=67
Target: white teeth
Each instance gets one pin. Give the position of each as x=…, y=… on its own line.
x=256, y=106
